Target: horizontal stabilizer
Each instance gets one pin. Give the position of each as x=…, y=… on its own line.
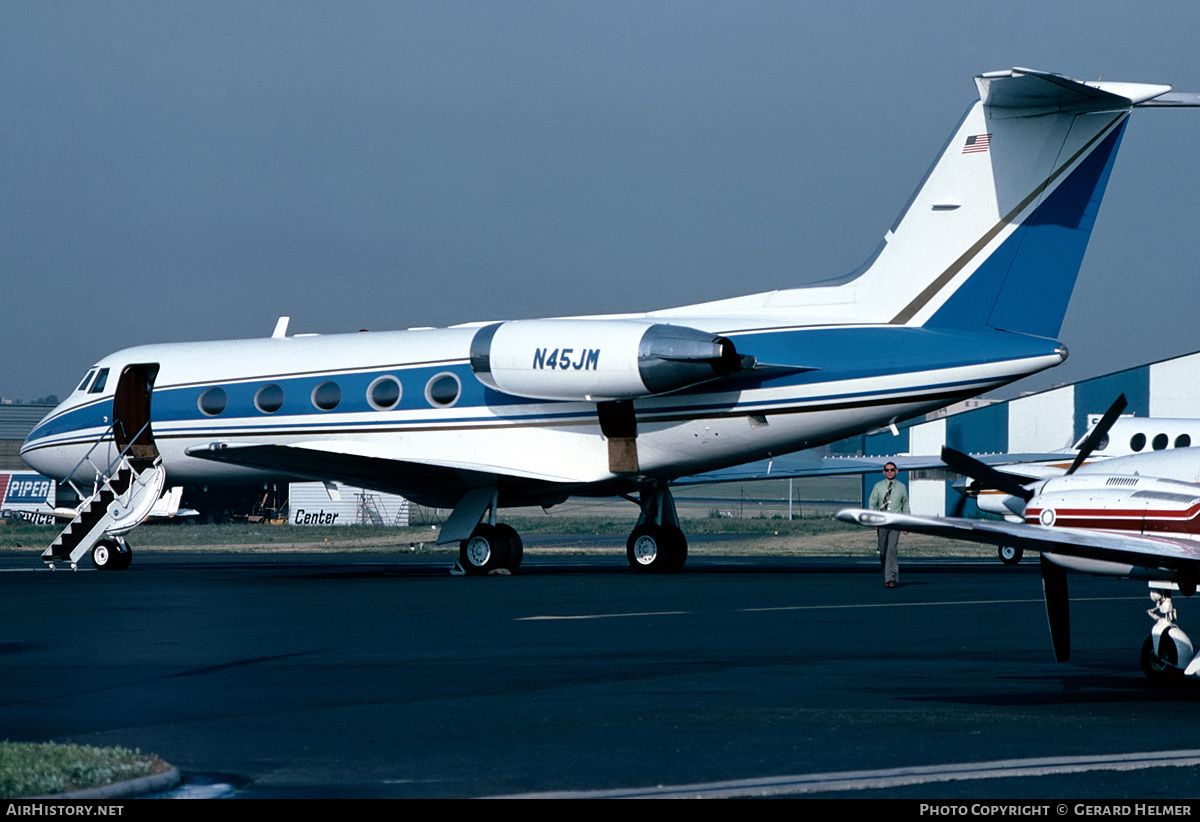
x=1175, y=99
x=1040, y=92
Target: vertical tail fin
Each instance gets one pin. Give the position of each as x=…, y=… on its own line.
x=996, y=234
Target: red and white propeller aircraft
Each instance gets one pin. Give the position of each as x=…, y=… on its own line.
x=1135, y=516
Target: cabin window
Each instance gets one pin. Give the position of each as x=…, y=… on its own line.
x=384, y=393
x=1137, y=442
x=1183, y=441
x=213, y=401
x=326, y=396
x=1160, y=442
x=269, y=398
x=101, y=380
x=443, y=390
x=86, y=380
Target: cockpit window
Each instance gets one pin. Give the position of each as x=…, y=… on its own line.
x=101, y=379
x=86, y=380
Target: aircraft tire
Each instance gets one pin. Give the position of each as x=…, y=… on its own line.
x=1162, y=669
x=516, y=548
x=105, y=555
x=1010, y=555
x=124, y=554
x=484, y=551
x=678, y=550
x=656, y=549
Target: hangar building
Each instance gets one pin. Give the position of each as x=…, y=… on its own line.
x=16, y=421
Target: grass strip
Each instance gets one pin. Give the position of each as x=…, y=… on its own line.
x=43, y=769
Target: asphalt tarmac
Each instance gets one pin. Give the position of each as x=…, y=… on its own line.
x=384, y=676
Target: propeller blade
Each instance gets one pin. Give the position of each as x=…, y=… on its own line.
x=1098, y=433
x=1054, y=583
x=963, y=487
x=960, y=506
x=985, y=475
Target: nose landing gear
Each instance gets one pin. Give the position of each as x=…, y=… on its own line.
x=1167, y=654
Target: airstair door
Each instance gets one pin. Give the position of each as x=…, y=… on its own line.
x=131, y=411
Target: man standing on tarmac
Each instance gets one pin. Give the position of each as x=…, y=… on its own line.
x=889, y=494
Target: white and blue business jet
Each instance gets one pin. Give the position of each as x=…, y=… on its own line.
x=967, y=293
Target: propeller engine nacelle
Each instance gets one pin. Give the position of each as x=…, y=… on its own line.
x=597, y=360
x=1116, y=502
x=989, y=501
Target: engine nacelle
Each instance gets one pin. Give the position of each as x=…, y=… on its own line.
x=597, y=360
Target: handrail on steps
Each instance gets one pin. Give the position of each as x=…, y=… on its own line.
x=106, y=472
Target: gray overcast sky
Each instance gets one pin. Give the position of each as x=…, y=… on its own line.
x=183, y=171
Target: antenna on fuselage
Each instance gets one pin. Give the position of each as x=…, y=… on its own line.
x=280, y=331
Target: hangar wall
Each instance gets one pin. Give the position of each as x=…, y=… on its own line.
x=16, y=421
x=310, y=504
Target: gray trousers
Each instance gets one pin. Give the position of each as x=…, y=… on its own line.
x=889, y=542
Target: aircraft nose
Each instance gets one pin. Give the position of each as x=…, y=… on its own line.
x=34, y=451
x=34, y=459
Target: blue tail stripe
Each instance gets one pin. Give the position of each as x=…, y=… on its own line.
x=1025, y=285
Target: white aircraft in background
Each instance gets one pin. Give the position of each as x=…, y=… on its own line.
x=965, y=295
x=1135, y=516
x=1121, y=436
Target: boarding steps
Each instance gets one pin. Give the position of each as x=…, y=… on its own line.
x=119, y=503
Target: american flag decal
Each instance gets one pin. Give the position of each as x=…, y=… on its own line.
x=977, y=143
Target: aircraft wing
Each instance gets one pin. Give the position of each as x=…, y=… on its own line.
x=808, y=464
x=360, y=465
x=1130, y=549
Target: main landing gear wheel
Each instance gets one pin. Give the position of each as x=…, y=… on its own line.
x=490, y=548
x=124, y=554
x=111, y=554
x=656, y=549
x=1162, y=668
x=516, y=548
x=1010, y=555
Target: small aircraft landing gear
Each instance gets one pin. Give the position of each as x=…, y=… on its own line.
x=657, y=544
x=1167, y=654
x=1010, y=555
x=1161, y=665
